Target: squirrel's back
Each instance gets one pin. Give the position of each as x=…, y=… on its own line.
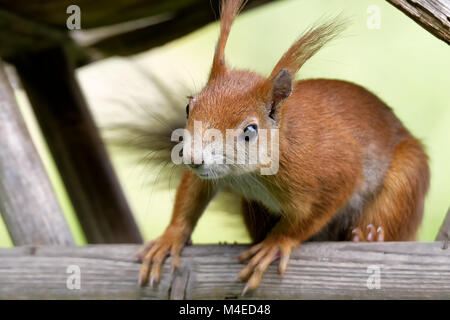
x=336, y=105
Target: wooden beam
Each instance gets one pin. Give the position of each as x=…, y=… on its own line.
x=433, y=15
x=94, y=14
x=102, y=13
x=27, y=202
x=444, y=231
x=113, y=28
x=77, y=148
x=20, y=36
x=181, y=22
x=339, y=270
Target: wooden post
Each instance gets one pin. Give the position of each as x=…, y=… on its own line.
x=444, y=231
x=27, y=202
x=79, y=153
x=327, y=270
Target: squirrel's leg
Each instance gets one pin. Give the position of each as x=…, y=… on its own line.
x=396, y=210
x=193, y=195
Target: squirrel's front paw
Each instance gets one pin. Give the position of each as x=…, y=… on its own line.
x=261, y=256
x=153, y=254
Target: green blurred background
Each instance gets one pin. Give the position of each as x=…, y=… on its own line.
x=402, y=63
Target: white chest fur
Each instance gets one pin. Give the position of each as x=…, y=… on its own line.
x=251, y=188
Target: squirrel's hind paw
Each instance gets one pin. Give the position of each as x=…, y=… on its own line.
x=372, y=234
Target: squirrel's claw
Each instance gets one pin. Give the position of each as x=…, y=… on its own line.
x=146, y=262
x=261, y=256
x=373, y=234
x=153, y=255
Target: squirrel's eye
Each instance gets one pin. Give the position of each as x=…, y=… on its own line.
x=187, y=111
x=250, y=132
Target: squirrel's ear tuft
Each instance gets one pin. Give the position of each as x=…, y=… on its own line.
x=229, y=11
x=281, y=89
x=309, y=44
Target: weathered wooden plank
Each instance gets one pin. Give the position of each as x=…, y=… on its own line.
x=433, y=15
x=339, y=270
x=27, y=202
x=444, y=231
x=77, y=148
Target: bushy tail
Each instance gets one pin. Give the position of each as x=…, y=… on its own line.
x=146, y=133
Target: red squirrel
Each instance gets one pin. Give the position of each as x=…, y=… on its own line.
x=348, y=169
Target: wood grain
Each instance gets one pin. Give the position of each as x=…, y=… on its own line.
x=339, y=270
x=433, y=15
x=27, y=202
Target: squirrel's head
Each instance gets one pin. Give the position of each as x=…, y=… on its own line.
x=235, y=120
x=232, y=125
